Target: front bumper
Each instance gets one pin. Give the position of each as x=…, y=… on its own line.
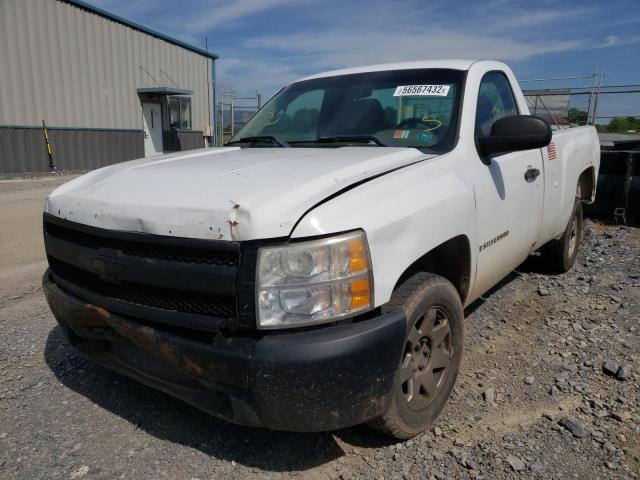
x=313, y=380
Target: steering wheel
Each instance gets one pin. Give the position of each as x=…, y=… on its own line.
x=428, y=124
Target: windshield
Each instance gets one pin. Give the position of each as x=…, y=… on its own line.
x=401, y=108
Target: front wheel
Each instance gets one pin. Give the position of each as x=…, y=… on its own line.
x=431, y=356
x=561, y=254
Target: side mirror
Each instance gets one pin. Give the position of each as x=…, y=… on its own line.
x=515, y=133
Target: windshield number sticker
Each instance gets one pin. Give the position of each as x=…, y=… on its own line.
x=422, y=90
x=401, y=134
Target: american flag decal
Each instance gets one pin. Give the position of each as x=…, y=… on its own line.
x=551, y=151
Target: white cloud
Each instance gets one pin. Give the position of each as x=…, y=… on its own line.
x=333, y=49
x=225, y=14
x=249, y=73
x=333, y=34
x=410, y=34
x=540, y=18
x=298, y=55
x=189, y=21
x=616, y=40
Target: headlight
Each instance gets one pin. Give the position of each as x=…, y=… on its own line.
x=314, y=282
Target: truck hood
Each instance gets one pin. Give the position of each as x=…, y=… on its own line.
x=220, y=193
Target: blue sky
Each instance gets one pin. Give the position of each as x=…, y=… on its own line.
x=264, y=44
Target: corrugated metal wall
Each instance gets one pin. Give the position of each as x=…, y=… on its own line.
x=74, y=68
x=24, y=150
x=177, y=140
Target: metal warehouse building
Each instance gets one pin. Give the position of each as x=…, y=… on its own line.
x=107, y=89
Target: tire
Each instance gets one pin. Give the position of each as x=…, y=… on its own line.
x=560, y=255
x=426, y=373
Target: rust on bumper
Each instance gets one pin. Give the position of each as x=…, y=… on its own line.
x=313, y=380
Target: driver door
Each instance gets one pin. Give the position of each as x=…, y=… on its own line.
x=509, y=206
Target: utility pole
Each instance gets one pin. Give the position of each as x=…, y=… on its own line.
x=593, y=87
x=222, y=120
x=595, y=104
x=211, y=101
x=233, y=117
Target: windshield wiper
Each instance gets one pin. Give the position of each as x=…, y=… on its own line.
x=351, y=138
x=261, y=138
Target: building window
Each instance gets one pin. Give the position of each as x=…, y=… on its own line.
x=180, y=113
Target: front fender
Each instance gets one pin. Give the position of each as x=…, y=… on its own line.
x=405, y=214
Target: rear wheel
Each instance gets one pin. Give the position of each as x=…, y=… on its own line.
x=561, y=254
x=431, y=356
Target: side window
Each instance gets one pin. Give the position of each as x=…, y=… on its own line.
x=495, y=100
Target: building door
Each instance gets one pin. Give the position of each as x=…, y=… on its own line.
x=152, y=121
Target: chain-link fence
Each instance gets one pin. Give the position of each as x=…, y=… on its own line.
x=233, y=111
x=612, y=108
x=615, y=111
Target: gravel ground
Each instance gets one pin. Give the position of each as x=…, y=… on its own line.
x=549, y=386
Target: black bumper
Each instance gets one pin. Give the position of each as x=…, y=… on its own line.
x=313, y=380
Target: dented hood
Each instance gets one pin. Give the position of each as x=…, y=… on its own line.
x=220, y=193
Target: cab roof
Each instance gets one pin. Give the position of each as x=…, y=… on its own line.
x=454, y=64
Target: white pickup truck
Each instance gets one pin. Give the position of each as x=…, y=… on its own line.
x=312, y=273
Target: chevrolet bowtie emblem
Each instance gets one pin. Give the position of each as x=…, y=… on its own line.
x=106, y=266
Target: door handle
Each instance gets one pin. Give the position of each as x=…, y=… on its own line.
x=531, y=174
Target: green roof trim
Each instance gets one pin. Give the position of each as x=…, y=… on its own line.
x=137, y=26
x=165, y=91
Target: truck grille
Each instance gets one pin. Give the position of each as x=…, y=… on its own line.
x=187, y=283
x=146, y=250
x=155, y=297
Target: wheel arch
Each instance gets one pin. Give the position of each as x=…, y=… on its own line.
x=586, y=188
x=451, y=260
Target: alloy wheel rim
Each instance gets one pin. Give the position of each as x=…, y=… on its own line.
x=573, y=239
x=427, y=356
